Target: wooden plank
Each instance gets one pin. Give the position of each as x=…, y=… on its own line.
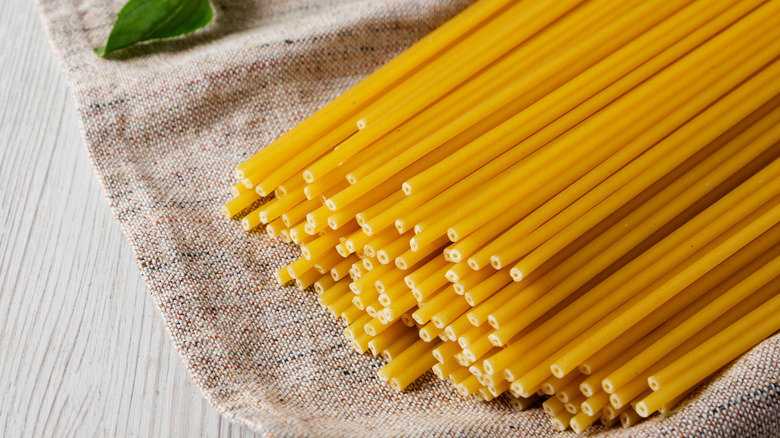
x=83, y=351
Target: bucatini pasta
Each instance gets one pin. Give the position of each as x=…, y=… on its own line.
x=577, y=200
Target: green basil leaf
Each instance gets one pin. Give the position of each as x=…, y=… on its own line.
x=143, y=20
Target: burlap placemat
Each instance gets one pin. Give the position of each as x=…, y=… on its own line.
x=165, y=126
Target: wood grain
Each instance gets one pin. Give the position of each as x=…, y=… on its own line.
x=82, y=349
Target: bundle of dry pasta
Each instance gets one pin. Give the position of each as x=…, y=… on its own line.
x=569, y=198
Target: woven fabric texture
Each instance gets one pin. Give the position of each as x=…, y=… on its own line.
x=164, y=123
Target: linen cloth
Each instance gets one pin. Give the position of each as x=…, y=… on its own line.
x=164, y=123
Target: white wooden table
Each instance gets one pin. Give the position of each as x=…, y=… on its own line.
x=83, y=351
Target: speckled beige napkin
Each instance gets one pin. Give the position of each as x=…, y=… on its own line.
x=165, y=126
